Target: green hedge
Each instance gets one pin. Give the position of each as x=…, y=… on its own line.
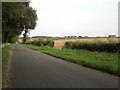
x=100, y=47
x=42, y=42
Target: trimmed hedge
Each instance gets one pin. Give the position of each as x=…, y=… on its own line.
x=100, y=47
x=42, y=42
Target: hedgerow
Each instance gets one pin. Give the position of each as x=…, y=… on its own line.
x=42, y=42
x=100, y=47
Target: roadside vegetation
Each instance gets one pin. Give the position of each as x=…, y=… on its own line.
x=42, y=42
x=104, y=61
x=6, y=53
x=17, y=17
x=94, y=46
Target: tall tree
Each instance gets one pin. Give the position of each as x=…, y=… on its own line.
x=17, y=17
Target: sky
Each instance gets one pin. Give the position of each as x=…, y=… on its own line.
x=75, y=17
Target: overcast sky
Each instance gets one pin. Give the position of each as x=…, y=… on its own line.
x=75, y=17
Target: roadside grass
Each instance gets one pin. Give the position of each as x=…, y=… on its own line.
x=103, y=61
x=0, y=59
x=6, y=53
x=5, y=57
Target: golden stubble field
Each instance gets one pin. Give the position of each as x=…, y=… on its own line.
x=59, y=43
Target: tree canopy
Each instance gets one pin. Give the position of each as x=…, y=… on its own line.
x=17, y=17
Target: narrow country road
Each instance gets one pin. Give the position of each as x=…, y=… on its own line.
x=32, y=69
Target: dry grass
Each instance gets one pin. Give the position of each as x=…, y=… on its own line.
x=61, y=42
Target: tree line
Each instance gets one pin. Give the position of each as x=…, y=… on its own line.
x=16, y=18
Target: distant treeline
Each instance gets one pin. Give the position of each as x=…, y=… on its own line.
x=74, y=37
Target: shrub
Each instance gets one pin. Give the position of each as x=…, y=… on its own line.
x=43, y=42
x=101, y=47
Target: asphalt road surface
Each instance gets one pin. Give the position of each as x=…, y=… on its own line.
x=32, y=69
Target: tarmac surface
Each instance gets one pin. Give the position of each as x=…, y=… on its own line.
x=32, y=69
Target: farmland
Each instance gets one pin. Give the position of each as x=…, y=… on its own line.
x=60, y=42
x=99, y=58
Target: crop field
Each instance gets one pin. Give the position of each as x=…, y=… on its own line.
x=60, y=43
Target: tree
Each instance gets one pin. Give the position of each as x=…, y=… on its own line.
x=29, y=21
x=17, y=17
x=79, y=36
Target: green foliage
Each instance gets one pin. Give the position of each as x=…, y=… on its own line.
x=103, y=61
x=42, y=42
x=5, y=56
x=17, y=16
x=12, y=38
x=94, y=46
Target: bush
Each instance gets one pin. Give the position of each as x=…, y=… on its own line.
x=42, y=42
x=101, y=47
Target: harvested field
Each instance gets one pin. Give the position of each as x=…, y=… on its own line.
x=61, y=42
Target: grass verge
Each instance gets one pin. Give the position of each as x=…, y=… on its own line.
x=6, y=53
x=107, y=62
